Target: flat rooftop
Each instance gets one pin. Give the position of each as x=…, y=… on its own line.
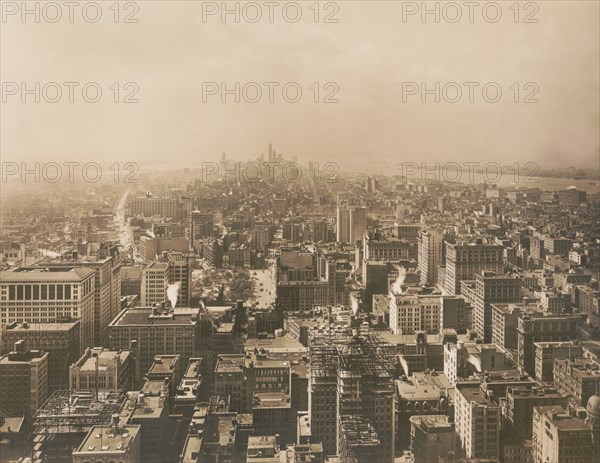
x=435, y=423
x=229, y=363
x=28, y=274
x=562, y=419
x=281, y=344
x=473, y=393
x=105, y=357
x=108, y=439
x=271, y=400
x=163, y=364
x=151, y=408
x=41, y=327
x=145, y=316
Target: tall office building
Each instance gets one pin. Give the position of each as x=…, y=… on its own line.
x=44, y=295
x=158, y=331
x=535, y=326
x=464, y=261
x=180, y=272
x=155, y=280
x=559, y=436
x=489, y=289
x=477, y=422
x=262, y=235
x=107, y=288
x=60, y=340
x=351, y=223
x=410, y=313
x=430, y=254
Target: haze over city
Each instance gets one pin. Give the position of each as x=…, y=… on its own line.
x=372, y=49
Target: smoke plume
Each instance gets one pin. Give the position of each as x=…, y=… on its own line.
x=397, y=285
x=354, y=303
x=172, y=293
x=404, y=364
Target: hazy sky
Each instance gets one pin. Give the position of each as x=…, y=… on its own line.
x=368, y=53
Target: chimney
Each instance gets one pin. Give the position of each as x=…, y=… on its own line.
x=20, y=346
x=115, y=421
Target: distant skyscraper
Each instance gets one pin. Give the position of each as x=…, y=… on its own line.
x=430, y=254
x=351, y=223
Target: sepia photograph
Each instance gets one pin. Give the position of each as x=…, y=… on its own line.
x=311, y=231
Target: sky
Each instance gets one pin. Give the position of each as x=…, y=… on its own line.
x=375, y=61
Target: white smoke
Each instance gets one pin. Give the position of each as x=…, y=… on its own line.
x=475, y=361
x=404, y=364
x=397, y=285
x=173, y=293
x=353, y=303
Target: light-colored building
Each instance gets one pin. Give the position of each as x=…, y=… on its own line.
x=351, y=223
x=117, y=442
x=489, y=288
x=43, y=295
x=155, y=280
x=410, y=313
x=463, y=359
x=163, y=207
x=560, y=437
x=102, y=369
x=431, y=243
x=387, y=248
x=477, y=420
x=107, y=289
x=464, y=261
